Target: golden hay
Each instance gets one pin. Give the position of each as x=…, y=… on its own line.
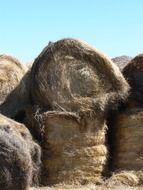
x=70, y=75
x=73, y=153
x=20, y=156
x=127, y=138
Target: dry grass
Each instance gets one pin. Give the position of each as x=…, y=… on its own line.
x=73, y=153
x=88, y=187
x=11, y=72
x=70, y=75
x=128, y=135
x=133, y=72
x=20, y=156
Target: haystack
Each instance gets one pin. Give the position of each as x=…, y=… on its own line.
x=14, y=80
x=127, y=138
x=133, y=72
x=15, y=86
x=74, y=152
x=11, y=72
x=78, y=85
x=20, y=156
x=70, y=75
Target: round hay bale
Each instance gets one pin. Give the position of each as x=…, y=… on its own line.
x=133, y=72
x=14, y=91
x=20, y=156
x=16, y=102
x=127, y=138
x=70, y=75
x=73, y=151
x=11, y=72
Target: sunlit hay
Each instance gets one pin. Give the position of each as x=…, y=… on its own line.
x=133, y=72
x=70, y=75
x=127, y=138
x=20, y=156
x=128, y=178
x=11, y=72
x=73, y=153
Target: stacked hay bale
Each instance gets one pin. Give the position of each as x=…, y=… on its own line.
x=128, y=125
x=72, y=154
x=14, y=83
x=77, y=86
x=133, y=73
x=19, y=156
x=128, y=137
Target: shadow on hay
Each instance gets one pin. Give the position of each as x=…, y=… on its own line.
x=133, y=72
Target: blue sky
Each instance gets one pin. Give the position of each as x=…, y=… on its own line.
x=115, y=27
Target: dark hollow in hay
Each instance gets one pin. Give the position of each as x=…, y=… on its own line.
x=128, y=134
x=19, y=156
x=69, y=75
x=73, y=152
x=34, y=122
x=133, y=72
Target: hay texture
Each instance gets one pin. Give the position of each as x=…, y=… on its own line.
x=133, y=72
x=74, y=152
x=20, y=156
x=14, y=86
x=11, y=72
x=128, y=178
x=70, y=75
x=127, y=138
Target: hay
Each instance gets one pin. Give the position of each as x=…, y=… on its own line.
x=11, y=72
x=16, y=102
x=34, y=122
x=14, y=86
x=69, y=75
x=73, y=153
x=127, y=138
x=133, y=72
x=128, y=178
x=19, y=156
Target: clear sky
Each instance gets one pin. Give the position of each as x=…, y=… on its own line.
x=113, y=26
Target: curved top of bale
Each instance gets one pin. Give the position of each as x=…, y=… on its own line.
x=18, y=127
x=11, y=72
x=133, y=72
x=71, y=75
